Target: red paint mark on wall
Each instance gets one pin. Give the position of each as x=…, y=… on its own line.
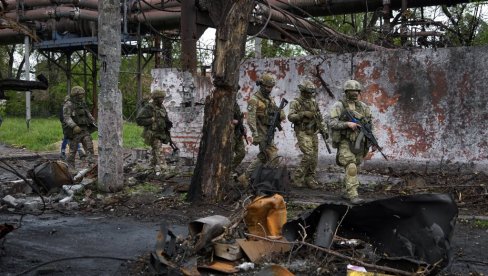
x=252, y=74
x=439, y=93
x=422, y=139
x=439, y=90
x=376, y=95
x=391, y=136
x=360, y=72
x=376, y=74
x=301, y=68
x=283, y=66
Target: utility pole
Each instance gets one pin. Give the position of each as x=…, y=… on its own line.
x=110, y=156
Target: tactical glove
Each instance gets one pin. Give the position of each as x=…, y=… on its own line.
x=76, y=130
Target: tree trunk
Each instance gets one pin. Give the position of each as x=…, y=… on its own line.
x=110, y=159
x=212, y=170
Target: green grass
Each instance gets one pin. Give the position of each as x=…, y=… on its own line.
x=45, y=134
x=483, y=224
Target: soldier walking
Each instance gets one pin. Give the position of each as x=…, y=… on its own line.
x=307, y=123
x=154, y=118
x=78, y=124
x=351, y=145
x=261, y=108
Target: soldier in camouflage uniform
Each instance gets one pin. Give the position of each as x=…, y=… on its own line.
x=78, y=124
x=307, y=123
x=261, y=107
x=351, y=145
x=154, y=118
x=238, y=147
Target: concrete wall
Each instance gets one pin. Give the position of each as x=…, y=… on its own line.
x=428, y=105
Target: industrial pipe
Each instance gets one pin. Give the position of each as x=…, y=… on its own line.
x=54, y=13
x=336, y=7
x=154, y=5
x=28, y=4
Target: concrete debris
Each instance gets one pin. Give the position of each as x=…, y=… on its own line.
x=10, y=200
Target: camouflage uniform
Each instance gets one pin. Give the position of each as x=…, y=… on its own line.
x=238, y=147
x=307, y=123
x=351, y=145
x=78, y=124
x=154, y=118
x=260, y=109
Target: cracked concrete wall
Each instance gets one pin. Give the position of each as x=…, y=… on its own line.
x=428, y=105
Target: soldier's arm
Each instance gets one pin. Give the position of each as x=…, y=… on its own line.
x=335, y=114
x=294, y=114
x=90, y=116
x=251, y=116
x=67, y=111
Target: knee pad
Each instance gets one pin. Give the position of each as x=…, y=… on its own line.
x=351, y=169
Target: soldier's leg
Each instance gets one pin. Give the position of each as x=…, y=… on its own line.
x=310, y=179
x=155, y=154
x=239, y=151
x=87, y=143
x=72, y=149
x=271, y=154
x=347, y=159
x=265, y=155
x=300, y=172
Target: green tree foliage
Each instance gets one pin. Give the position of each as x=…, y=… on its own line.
x=465, y=24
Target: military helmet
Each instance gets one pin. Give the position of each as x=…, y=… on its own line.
x=77, y=90
x=267, y=80
x=307, y=86
x=352, y=85
x=158, y=94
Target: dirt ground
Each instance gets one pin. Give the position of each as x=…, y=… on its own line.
x=113, y=234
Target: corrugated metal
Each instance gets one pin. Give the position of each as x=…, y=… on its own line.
x=428, y=105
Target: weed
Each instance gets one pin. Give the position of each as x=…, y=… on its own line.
x=483, y=224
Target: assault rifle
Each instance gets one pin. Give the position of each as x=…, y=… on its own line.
x=322, y=133
x=366, y=130
x=324, y=136
x=173, y=146
x=274, y=122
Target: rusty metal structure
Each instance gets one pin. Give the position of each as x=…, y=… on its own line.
x=68, y=26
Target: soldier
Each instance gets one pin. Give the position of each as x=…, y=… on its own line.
x=238, y=147
x=351, y=145
x=261, y=108
x=78, y=124
x=307, y=122
x=154, y=118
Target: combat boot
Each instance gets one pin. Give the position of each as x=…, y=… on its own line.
x=243, y=180
x=297, y=179
x=313, y=184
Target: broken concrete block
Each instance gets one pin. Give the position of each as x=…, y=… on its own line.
x=10, y=200
x=32, y=205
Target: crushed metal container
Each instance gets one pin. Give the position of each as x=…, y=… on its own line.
x=50, y=176
x=266, y=215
